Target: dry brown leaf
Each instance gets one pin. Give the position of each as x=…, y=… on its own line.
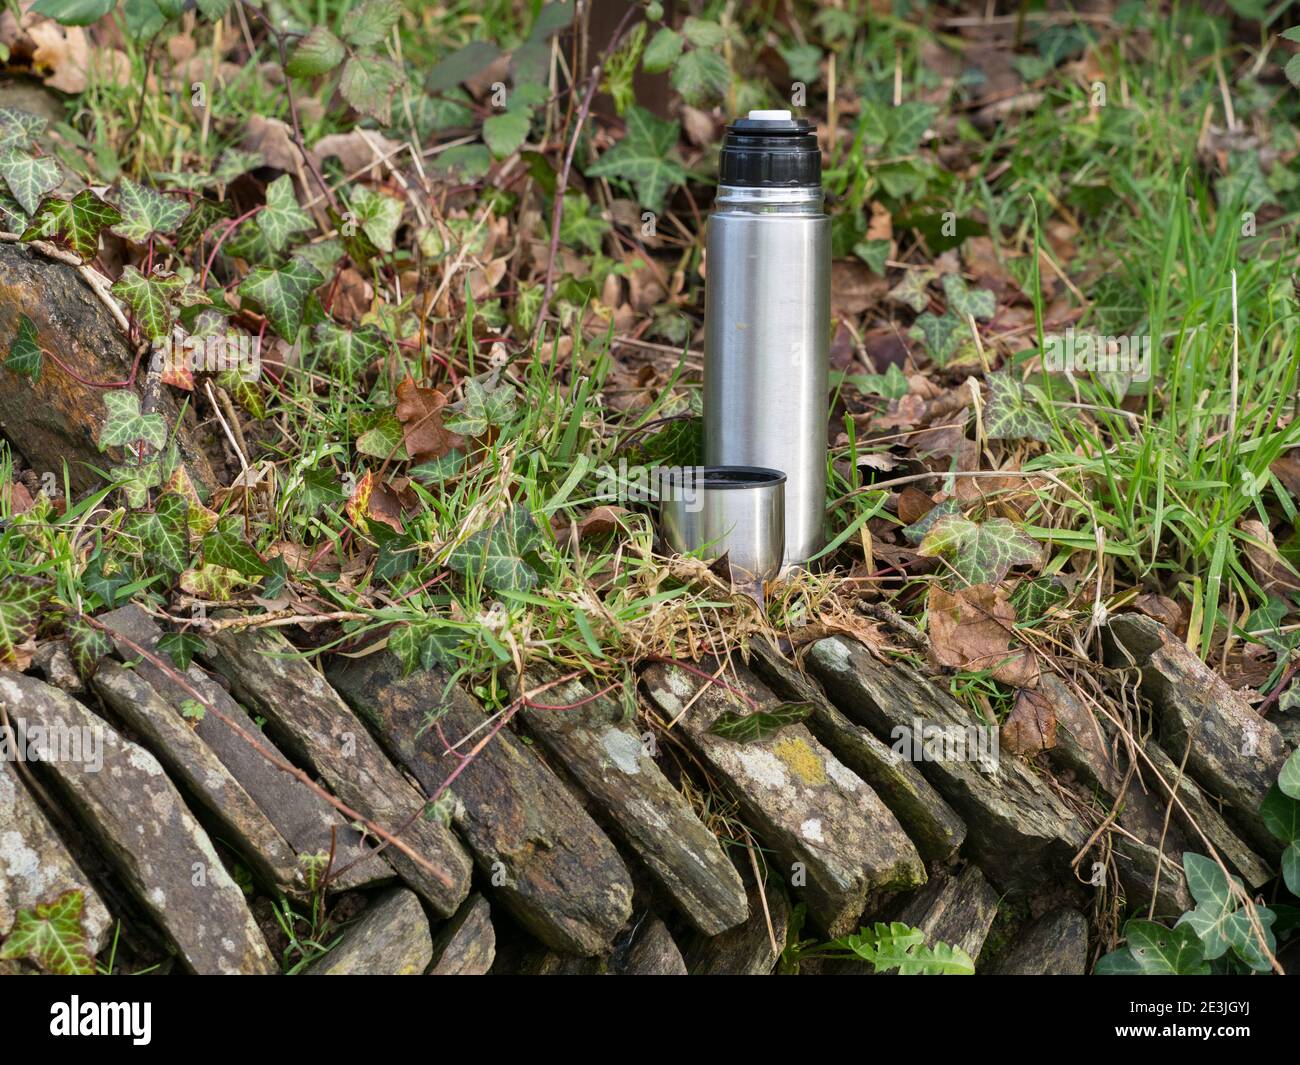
x=913, y=505
x=1287, y=470
x=420, y=412
x=602, y=521
x=1271, y=570
x=1162, y=609
x=359, y=149
x=1031, y=725
x=274, y=139
x=972, y=630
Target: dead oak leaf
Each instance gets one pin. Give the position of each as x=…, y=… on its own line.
x=420, y=410
x=971, y=630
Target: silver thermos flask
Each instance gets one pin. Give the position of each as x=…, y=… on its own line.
x=767, y=317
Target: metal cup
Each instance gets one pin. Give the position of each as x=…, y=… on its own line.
x=737, y=511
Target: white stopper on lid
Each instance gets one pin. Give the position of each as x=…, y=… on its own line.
x=769, y=116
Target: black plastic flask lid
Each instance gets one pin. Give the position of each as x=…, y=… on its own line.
x=770, y=149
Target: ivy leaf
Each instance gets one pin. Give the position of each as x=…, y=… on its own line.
x=232, y=163
x=146, y=211
x=383, y=439
x=892, y=384
x=317, y=53
x=1033, y=599
x=29, y=177
x=368, y=84
x=978, y=302
x=582, y=223
x=181, y=647
x=942, y=335
x=1161, y=951
x=701, y=76
x=506, y=132
x=378, y=214
x=282, y=293
x=759, y=724
x=74, y=223
x=369, y=23
x=1281, y=815
x=214, y=583
x=282, y=217
x=1288, y=780
x=25, y=352
x=136, y=478
x=104, y=585
x=150, y=299
x=912, y=290
x=1008, y=414
x=213, y=9
x=646, y=157
x=351, y=349
x=51, y=935
x=482, y=407
x=203, y=216
x=86, y=646
x=18, y=128
x=125, y=424
x=164, y=531
x=423, y=645
x=20, y=610
x=875, y=253
x=1210, y=887
x=496, y=554
x=225, y=547
x=907, y=124
x=980, y=553
x=916, y=532
x=1291, y=868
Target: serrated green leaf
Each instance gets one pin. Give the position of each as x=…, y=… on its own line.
x=317, y=53
x=701, y=76
x=368, y=23
x=1010, y=413
x=282, y=293
x=51, y=935
x=125, y=424
x=150, y=299
x=75, y=223
x=980, y=553
x=759, y=724
x=506, y=132
x=25, y=352
x=281, y=219
x=146, y=211
x=495, y=555
x=662, y=51
x=29, y=177
x=646, y=157
x=368, y=84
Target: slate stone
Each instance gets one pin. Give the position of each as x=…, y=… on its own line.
x=467, y=944
x=1054, y=945
x=391, y=938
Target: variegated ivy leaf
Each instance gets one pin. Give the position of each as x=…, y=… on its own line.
x=20, y=610
x=912, y=290
x=1010, y=413
x=233, y=162
x=916, y=532
x=214, y=583
x=1033, y=599
x=150, y=298
x=87, y=645
x=646, y=157
x=282, y=293
x=74, y=224
x=942, y=335
x=368, y=84
x=759, y=724
x=25, y=352
x=181, y=647
x=12, y=215
x=495, y=555
x=378, y=215
x=136, y=478
x=481, y=408
x=164, y=532
x=322, y=254
x=424, y=644
x=204, y=214
x=978, y=302
x=51, y=935
x=225, y=546
x=282, y=218
x=384, y=439
x=981, y=553
x=18, y=128
x=351, y=349
x=146, y=211
x=29, y=177
x=125, y=424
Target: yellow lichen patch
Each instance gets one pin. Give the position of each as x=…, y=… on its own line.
x=803, y=761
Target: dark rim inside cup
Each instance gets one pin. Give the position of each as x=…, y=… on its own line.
x=740, y=477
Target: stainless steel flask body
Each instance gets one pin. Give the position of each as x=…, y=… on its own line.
x=766, y=348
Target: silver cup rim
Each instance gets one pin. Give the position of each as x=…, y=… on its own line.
x=728, y=478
